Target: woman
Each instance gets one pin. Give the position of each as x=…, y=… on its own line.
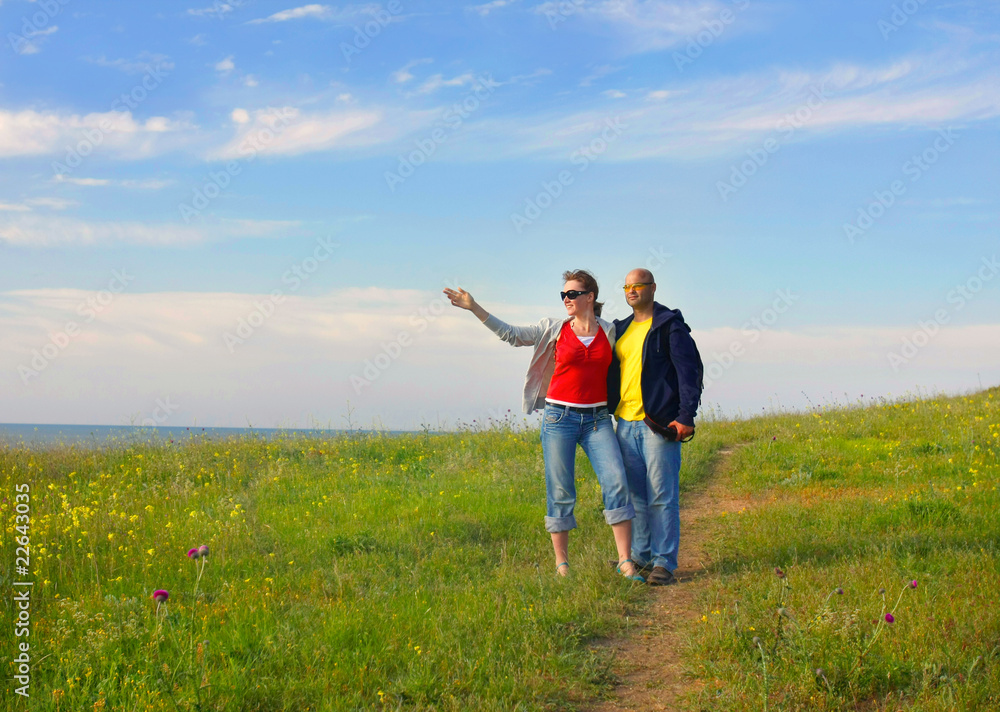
x=567, y=377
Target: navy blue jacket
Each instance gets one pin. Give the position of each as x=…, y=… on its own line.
x=672, y=371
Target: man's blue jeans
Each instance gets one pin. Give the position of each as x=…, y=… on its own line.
x=562, y=429
x=653, y=466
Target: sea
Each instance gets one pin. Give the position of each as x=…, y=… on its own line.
x=35, y=435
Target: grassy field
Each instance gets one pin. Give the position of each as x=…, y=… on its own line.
x=853, y=514
x=414, y=573
x=361, y=572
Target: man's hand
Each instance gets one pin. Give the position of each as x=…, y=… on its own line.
x=683, y=431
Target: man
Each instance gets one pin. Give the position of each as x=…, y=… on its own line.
x=654, y=388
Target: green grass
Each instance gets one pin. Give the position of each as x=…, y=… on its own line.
x=862, y=499
x=413, y=572
x=351, y=573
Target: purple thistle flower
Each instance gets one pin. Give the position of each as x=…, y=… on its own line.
x=840, y=591
x=159, y=595
x=203, y=550
x=889, y=618
x=913, y=583
x=193, y=553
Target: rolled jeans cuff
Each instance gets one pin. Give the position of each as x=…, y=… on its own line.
x=554, y=525
x=621, y=514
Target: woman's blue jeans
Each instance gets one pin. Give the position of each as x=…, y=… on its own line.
x=562, y=430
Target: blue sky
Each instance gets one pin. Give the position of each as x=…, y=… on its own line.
x=174, y=170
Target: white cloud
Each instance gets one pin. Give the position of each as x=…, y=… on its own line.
x=265, y=133
x=614, y=94
x=644, y=25
x=142, y=346
x=250, y=81
x=952, y=202
x=240, y=116
x=145, y=184
x=27, y=44
x=145, y=62
x=219, y=9
x=43, y=231
x=521, y=78
x=303, y=355
x=225, y=66
x=486, y=8
x=438, y=81
x=346, y=14
x=29, y=132
x=29, y=204
x=723, y=115
x=318, y=11
x=599, y=73
x=51, y=203
x=89, y=182
x=403, y=75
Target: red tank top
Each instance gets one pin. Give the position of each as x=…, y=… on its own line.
x=581, y=374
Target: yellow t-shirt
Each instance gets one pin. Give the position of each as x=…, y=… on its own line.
x=628, y=349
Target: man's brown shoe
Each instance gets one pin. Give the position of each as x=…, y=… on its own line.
x=660, y=577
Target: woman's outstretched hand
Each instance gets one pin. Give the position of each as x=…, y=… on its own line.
x=460, y=298
x=463, y=300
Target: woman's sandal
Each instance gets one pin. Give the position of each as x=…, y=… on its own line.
x=559, y=571
x=633, y=577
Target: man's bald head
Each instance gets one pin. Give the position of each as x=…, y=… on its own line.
x=640, y=275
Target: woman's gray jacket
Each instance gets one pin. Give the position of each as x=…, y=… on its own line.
x=542, y=336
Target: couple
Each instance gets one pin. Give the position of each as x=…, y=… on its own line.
x=647, y=371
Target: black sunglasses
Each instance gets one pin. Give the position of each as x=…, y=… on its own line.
x=573, y=293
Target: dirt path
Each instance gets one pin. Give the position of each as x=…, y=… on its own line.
x=650, y=662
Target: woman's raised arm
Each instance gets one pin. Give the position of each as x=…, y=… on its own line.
x=513, y=335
